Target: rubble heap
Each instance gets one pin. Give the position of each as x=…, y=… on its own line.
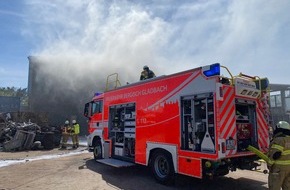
x=18, y=132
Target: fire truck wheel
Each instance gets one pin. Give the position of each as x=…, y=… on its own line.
x=162, y=167
x=98, y=150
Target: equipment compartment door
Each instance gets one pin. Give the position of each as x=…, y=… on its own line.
x=122, y=125
x=198, y=125
x=246, y=124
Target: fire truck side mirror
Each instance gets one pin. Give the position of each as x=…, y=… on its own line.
x=87, y=112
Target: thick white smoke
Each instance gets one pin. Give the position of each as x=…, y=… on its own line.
x=81, y=40
x=79, y=43
x=107, y=36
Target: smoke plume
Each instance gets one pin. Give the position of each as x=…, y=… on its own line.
x=79, y=43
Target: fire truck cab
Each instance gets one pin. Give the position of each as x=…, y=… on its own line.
x=196, y=122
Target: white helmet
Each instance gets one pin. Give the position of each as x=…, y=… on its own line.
x=66, y=122
x=74, y=121
x=283, y=125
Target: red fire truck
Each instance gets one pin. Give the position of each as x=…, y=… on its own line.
x=196, y=122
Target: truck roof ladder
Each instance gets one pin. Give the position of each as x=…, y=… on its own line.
x=112, y=82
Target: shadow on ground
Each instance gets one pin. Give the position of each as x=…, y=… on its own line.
x=139, y=177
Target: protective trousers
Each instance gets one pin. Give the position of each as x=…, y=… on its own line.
x=65, y=137
x=75, y=140
x=278, y=178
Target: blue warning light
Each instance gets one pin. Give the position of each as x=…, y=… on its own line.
x=97, y=94
x=213, y=70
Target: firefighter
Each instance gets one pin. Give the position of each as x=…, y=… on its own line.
x=146, y=73
x=279, y=155
x=75, y=133
x=66, y=129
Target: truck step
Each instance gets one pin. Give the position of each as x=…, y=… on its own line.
x=115, y=163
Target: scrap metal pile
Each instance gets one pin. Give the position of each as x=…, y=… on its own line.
x=18, y=132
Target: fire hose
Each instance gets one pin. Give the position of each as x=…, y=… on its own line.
x=260, y=155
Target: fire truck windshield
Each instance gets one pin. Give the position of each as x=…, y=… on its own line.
x=97, y=107
x=92, y=108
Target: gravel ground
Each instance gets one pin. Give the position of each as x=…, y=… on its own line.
x=76, y=169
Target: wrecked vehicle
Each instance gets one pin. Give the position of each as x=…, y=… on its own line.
x=27, y=131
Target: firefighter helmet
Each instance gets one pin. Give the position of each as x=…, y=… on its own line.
x=74, y=121
x=283, y=125
x=66, y=122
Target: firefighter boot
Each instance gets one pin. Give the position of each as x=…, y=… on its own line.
x=62, y=147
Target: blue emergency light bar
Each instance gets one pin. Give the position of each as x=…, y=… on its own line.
x=98, y=93
x=213, y=70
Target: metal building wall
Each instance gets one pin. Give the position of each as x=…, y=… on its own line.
x=48, y=95
x=279, y=113
x=9, y=104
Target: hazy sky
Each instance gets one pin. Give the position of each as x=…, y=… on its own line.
x=249, y=36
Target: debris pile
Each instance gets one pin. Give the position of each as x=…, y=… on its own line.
x=18, y=132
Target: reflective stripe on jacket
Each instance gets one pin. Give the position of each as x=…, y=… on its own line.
x=280, y=144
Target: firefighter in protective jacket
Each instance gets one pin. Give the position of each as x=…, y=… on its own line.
x=66, y=129
x=75, y=133
x=279, y=154
x=146, y=73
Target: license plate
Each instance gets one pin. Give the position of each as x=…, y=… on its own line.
x=230, y=144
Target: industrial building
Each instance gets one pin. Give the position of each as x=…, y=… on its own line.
x=9, y=104
x=280, y=102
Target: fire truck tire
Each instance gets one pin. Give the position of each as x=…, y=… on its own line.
x=97, y=150
x=162, y=167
